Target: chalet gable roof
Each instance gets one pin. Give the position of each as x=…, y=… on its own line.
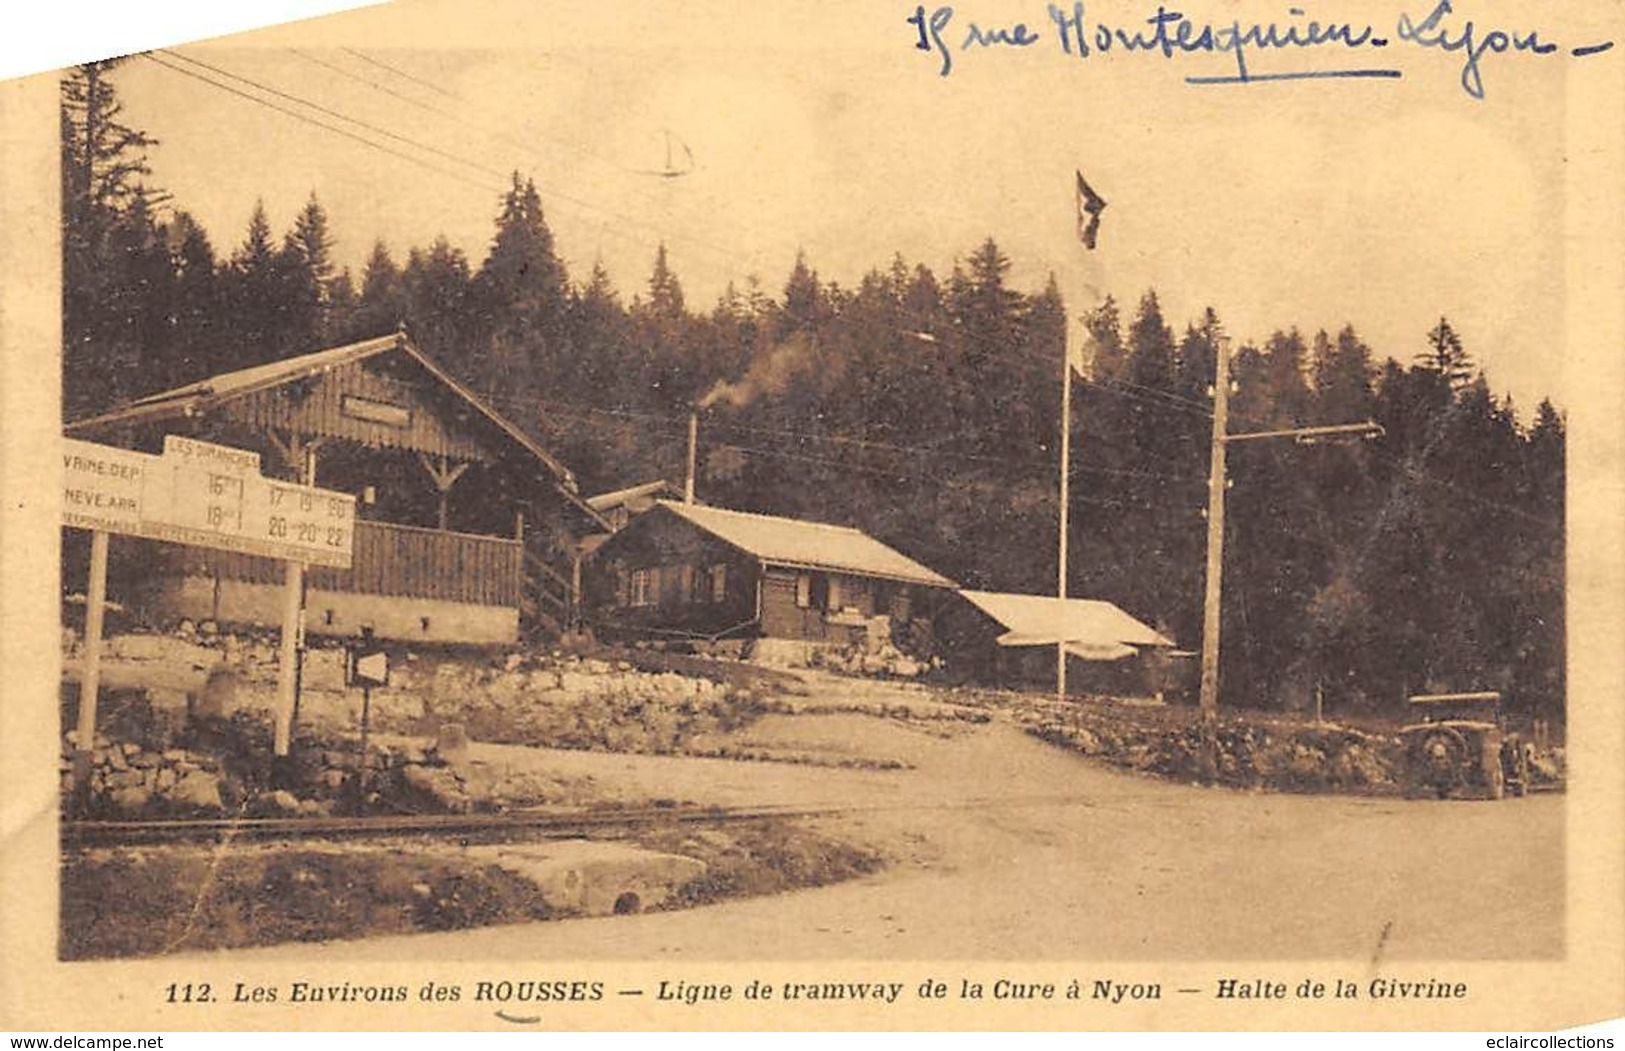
x=202, y=396
x=806, y=545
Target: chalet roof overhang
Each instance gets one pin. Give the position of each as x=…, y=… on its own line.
x=740, y=531
x=204, y=397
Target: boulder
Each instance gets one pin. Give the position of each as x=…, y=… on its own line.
x=281, y=801
x=126, y=779
x=131, y=800
x=198, y=790
x=440, y=785
x=451, y=745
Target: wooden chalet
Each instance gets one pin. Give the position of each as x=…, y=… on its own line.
x=466, y=525
x=1010, y=640
x=687, y=571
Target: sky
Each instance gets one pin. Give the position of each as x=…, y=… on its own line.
x=1381, y=203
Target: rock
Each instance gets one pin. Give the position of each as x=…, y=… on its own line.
x=512, y=662
x=127, y=779
x=315, y=808
x=451, y=745
x=208, y=629
x=165, y=779
x=131, y=800
x=281, y=801
x=441, y=785
x=116, y=760
x=130, y=748
x=332, y=779
x=198, y=790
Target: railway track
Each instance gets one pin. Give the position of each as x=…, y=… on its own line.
x=546, y=824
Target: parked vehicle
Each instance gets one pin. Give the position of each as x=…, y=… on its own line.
x=1458, y=744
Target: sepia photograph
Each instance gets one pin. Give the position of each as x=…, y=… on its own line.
x=680, y=516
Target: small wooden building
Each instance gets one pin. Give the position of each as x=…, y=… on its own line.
x=687, y=571
x=1010, y=640
x=466, y=526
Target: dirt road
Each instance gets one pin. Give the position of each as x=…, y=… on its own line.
x=1003, y=847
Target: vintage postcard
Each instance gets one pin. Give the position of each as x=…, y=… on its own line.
x=866, y=515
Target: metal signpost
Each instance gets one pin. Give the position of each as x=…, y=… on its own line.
x=201, y=494
x=366, y=665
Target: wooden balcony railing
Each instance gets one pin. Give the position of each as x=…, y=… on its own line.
x=397, y=560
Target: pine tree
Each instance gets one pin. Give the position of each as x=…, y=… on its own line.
x=1445, y=356
x=438, y=292
x=665, y=291
x=304, y=276
x=254, y=291
x=199, y=306
x=381, y=306
x=522, y=296
x=109, y=243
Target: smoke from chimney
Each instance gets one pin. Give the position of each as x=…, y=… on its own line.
x=770, y=373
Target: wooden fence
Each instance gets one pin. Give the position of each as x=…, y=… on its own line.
x=396, y=560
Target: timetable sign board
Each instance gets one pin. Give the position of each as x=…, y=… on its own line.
x=207, y=495
x=105, y=488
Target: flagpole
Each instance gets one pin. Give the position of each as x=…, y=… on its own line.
x=1089, y=206
x=1066, y=471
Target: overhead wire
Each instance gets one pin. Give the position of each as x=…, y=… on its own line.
x=729, y=255
x=305, y=118
x=328, y=111
x=375, y=129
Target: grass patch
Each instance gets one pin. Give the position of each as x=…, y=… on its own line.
x=757, y=858
x=157, y=901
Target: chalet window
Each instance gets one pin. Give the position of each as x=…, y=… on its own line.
x=833, y=596
x=719, y=583
x=645, y=587
x=685, y=584
x=803, y=590
x=820, y=591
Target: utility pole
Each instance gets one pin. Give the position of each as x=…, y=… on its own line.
x=1217, y=484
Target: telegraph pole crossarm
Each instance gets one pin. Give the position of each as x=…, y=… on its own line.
x=1311, y=435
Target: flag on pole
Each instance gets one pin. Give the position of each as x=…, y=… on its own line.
x=1090, y=205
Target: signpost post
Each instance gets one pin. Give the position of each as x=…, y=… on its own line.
x=202, y=494
x=367, y=666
